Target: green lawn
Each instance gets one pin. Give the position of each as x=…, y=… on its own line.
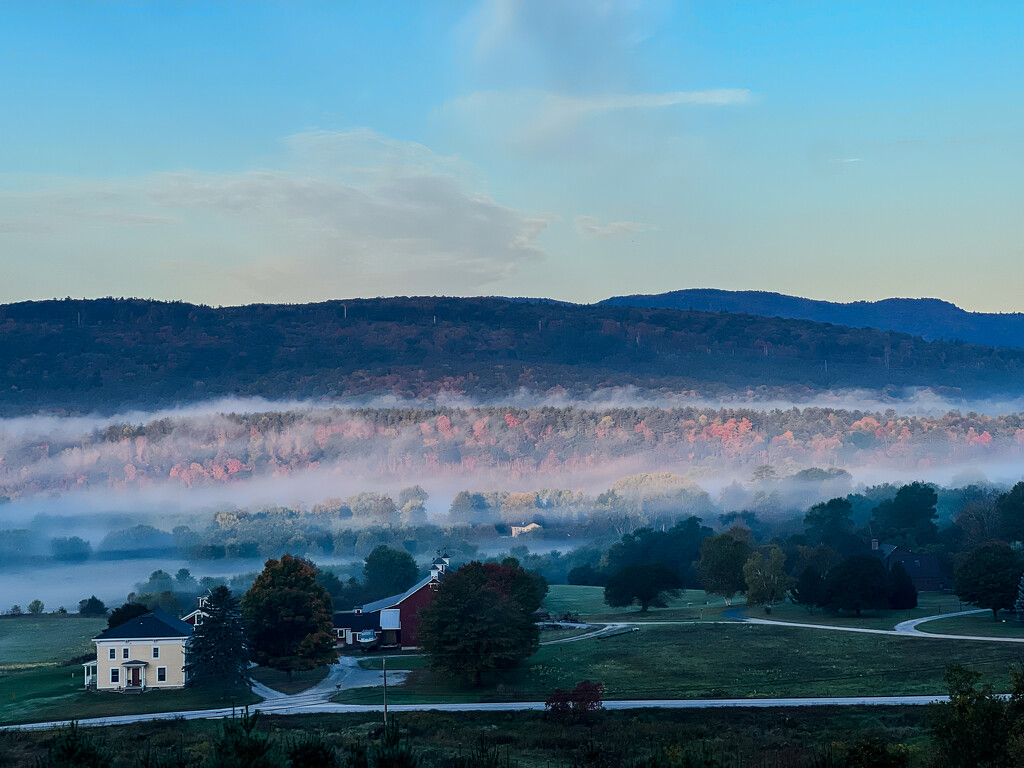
x=56, y=693
x=31, y=640
x=301, y=681
x=928, y=604
x=588, y=602
x=981, y=624
x=723, y=661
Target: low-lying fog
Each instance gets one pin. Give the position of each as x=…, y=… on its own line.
x=89, y=476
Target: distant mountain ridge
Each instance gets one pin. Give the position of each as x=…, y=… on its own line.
x=107, y=354
x=928, y=318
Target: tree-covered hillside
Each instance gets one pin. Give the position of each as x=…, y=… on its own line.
x=928, y=318
x=108, y=353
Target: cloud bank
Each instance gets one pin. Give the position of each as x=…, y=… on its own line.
x=344, y=213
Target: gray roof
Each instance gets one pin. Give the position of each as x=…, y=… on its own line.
x=391, y=602
x=155, y=624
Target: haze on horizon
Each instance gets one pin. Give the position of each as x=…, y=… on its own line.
x=255, y=152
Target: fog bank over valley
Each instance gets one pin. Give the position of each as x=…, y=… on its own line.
x=219, y=486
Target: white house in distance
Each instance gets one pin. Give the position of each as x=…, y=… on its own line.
x=147, y=652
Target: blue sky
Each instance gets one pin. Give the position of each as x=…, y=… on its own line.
x=295, y=151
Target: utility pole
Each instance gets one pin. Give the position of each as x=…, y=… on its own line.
x=384, y=662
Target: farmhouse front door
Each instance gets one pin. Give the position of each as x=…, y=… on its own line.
x=134, y=676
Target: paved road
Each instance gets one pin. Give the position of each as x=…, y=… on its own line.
x=903, y=629
x=291, y=708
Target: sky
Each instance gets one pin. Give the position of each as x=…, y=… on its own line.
x=239, y=152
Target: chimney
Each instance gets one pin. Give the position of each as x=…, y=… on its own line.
x=874, y=545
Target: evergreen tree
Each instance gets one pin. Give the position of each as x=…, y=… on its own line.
x=240, y=746
x=312, y=752
x=218, y=651
x=393, y=751
x=74, y=748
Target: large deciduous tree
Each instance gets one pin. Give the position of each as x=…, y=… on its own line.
x=91, y=606
x=388, y=571
x=645, y=584
x=808, y=591
x=988, y=576
x=910, y=517
x=720, y=567
x=830, y=523
x=481, y=620
x=289, y=615
x=218, y=652
x=857, y=584
x=766, y=578
x=677, y=548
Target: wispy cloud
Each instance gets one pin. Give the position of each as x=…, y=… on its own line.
x=344, y=213
x=587, y=226
x=530, y=116
x=565, y=45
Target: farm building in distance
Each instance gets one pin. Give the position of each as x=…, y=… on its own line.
x=392, y=622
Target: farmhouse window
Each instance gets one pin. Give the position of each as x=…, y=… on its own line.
x=124, y=652
x=161, y=674
x=113, y=653
x=115, y=675
x=156, y=651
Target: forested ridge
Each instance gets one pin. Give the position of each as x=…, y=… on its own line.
x=928, y=318
x=101, y=354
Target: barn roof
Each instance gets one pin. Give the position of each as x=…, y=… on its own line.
x=391, y=602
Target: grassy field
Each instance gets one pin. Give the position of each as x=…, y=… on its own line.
x=589, y=603
x=980, y=624
x=724, y=661
x=737, y=737
x=301, y=681
x=32, y=640
x=56, y=693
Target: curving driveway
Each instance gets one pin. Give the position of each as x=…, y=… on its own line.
x=903, y=629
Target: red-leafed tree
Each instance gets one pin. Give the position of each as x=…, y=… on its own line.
x=579, y=703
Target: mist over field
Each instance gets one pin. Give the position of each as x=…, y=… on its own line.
x=190, y=473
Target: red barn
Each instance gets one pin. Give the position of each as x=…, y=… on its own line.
x=392, y=622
